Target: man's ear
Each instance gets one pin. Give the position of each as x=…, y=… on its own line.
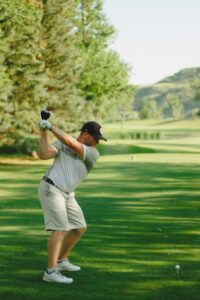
x=86, y=133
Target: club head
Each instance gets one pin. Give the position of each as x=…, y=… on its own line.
x=45, y=114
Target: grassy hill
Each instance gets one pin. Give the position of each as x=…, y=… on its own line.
x=179, y=84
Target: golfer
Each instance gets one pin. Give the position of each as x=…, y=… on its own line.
x=73, y=160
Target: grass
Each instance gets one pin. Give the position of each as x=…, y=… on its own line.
x=143, y=219
x=167, y=129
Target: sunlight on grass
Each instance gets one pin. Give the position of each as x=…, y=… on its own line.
x=155, y=158
x=143, y=219
x=152, y=124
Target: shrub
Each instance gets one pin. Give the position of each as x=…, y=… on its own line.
x=25, y=146
x=29, y=145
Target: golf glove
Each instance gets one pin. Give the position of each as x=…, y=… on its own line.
x=44, y=124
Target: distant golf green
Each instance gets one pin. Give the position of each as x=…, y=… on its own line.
x=142, y=205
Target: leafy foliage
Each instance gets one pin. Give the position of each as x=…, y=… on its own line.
x=104, y=77
x=175, y=106
x=55, y=54
x=149, y=109
x=19, y=31
x=196, y=88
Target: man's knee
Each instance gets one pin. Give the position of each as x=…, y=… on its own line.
x=59, y=233
x=80, y=231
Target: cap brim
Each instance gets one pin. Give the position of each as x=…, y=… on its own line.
x=98, y=137
x=101, y=137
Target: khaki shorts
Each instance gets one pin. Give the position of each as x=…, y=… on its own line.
x=61, y=210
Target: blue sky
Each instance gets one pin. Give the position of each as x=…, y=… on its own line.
x=156, y=37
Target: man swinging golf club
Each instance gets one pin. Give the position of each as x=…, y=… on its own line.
x=73, y=160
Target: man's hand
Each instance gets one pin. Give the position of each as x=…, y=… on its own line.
x=44, y=124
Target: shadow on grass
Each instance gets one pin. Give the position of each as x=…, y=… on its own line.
x=142, y=220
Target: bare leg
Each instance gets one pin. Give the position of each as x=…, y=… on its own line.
x=69, y=241
x=54, y=246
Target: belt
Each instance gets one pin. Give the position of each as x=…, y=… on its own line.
x=48, y=180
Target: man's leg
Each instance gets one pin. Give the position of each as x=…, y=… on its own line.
x=69, y=241
x=54, y=247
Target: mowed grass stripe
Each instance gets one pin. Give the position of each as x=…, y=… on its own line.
x=143, y=218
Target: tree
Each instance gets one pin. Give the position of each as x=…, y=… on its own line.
x=19, y=31
x=196, y=89
x=62, y=61
x=38, y=64
x=175, y=105
x=104, y=77
x=125, y=108
x=149, y=109
x=55, y=54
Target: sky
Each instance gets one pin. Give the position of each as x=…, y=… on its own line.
x=157, y=38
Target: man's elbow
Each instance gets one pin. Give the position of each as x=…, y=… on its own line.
x=41, y=155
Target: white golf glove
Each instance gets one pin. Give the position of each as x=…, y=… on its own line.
x=44, y=124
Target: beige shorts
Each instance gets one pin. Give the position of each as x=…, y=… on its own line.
x=61, y=210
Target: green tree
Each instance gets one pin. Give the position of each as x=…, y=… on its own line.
x=149, y=109
x=125, y=109
x=104, y=77
x=62, y=61
x=55, y=54
x=196, y=89
x=175, y=105
x=19, y=31
x=39, y=64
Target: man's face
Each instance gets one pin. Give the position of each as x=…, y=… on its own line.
x=90, y=140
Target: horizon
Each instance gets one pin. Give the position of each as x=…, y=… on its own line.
x=189, y=68
x=156, y=39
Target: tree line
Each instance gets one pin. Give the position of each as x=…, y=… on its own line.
x=55, y=54
x=150, y=108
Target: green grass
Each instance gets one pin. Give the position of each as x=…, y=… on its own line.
x=165, y=129
x=143, y=219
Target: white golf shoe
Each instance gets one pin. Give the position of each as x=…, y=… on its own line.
x=66, y=265
x=56, y=277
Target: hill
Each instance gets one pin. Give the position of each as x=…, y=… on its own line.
x=179, y=84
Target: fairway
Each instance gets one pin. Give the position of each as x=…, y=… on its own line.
x=143, y=219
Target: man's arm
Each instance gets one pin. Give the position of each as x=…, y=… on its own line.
x=69, y=141
x=45, y=151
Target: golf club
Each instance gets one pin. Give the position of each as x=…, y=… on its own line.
x=45, y=114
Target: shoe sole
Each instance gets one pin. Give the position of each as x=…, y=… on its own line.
x=70, y=270
x=48, y=280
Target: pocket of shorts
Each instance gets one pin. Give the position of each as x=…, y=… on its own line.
x=44, y=189
x=52, y=188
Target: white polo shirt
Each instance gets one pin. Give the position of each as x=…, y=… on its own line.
x=68, y=169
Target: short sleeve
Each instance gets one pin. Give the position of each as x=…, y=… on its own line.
x=57, y=145
x=90, y=157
